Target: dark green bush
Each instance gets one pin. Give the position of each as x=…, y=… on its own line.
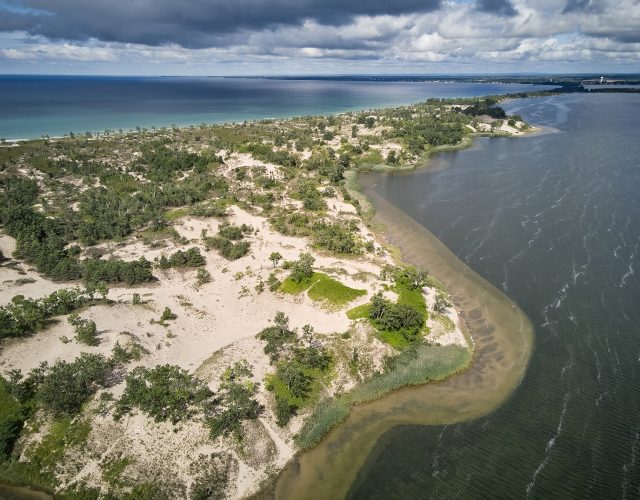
x=164, y=392
x=235, y=402
x=302, y=269
x=190, y=258
x=23, y=316
x=11, y=420
x=277, y=336
x=67, y=386
x=85, y=330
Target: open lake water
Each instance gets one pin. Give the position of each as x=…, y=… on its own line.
x=31, y=106
x=553, y=221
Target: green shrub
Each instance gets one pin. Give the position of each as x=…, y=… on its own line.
x=284, y=410
x=302, y=269
x=131, y=352
x=23, y=316
x=65, y=387
x=164, y=392
x=273, y=282
x=227, y=248
x=390, y=317
x=293, y=376
x=213, y=209
x=117, y=271
x=85, y=330
x=167, y=315
x=232, y=232
x=203, y=276
x=338, y=237
x=236, y=402
x=277, y=336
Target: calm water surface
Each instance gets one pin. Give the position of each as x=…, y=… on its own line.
x=31, y=106
x=553, y=221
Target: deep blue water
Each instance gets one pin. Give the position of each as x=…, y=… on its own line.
x=554, y=221
x=31, y=106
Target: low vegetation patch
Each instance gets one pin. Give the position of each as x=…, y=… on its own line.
x=300, y=364
x=331, y=291
x=85, y=330
x=401, y=323
x=416, y=365
x=61, y=389
x=321, y=287
x=228, y=241
x=235, y=402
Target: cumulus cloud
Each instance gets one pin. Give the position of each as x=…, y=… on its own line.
x=190, y=23
x=288, y=35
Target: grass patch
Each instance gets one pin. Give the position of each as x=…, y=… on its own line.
x=413, y=298
x=294, y=287
x=414, y=366
x=394, y=339
x=332, y=291
x=323, y=288
x=176, y=213
x=359, y=312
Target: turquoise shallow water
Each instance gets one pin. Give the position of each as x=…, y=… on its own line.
x=554, y=221
x=31, y=106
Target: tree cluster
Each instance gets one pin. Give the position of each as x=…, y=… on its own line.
x=24, y=316
x=165, y=393
x=391, y=317
x=189, y=258
x=298, y=362
x=338, y=237
x=224, y=241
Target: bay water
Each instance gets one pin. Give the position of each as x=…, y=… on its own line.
x=553, y=221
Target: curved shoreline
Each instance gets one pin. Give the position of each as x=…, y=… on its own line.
x=498, y=365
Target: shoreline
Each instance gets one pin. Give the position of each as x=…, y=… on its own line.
x=360, y=431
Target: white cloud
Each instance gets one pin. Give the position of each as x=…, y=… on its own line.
x=455, y=36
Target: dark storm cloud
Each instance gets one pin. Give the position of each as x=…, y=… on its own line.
x=500, y=7
x=190, y=23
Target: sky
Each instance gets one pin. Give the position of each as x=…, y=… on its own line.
x=289, y=37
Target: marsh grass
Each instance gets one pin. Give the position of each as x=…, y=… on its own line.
x=414, y=366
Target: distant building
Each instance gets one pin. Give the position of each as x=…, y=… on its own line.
x=602, y=79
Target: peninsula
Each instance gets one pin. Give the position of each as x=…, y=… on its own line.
x=183, y=309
